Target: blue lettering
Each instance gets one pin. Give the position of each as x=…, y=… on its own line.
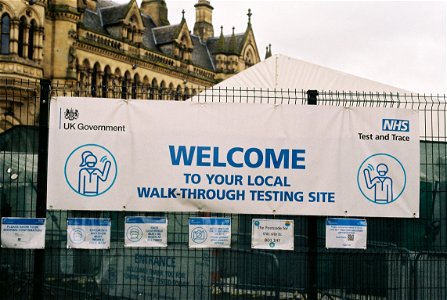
x=182, y=154
x=259, y=157
x=201, y=155
x=230, y=155
x=216, y=162
x=143, y=192
x=237, y=157
x=296, y=158
x=270, y=157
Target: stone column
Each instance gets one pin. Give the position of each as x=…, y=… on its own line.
x=25, y=40
x=14, y=38
x=38, y=53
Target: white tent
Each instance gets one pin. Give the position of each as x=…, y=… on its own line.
x=280, y=73
x=285, y=80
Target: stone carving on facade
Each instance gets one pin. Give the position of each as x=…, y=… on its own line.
x=73, y=34
x=72, y=56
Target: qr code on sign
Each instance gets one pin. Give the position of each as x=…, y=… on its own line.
x=350, y=237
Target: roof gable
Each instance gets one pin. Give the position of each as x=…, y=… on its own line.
x=112, y=15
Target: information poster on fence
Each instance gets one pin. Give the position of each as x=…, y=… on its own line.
x=172, y=273
x=272, y=234
x=346, y=233
x=233, y=158
x=88, y=233
x=209, y=232
x=145, y=232
x=23, y=233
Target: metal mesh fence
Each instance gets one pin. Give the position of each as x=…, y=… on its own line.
x=405, y=258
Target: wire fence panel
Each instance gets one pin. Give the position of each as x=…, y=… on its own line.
x=404, y=259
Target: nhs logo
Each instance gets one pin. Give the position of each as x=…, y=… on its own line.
x=395, y=125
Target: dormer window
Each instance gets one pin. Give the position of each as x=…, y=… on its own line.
x=133, y=34
x=182, y=50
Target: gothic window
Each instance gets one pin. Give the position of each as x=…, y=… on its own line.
x=105, y=82
x=134, y=32
x=153, y=89
x=129, y=33
x=249, y=57
x=94, y=81
x=124, y=86
x=183, y=49
x=178, y=93
x=186, y=93
x=135, y=86
x=5, y=34
x=22, y=26
x=31, y=34
x=171, y=92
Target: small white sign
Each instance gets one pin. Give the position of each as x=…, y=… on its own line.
x=145, y=232
x=88, y=233
x=23, y=233
x=272, y=234
x=346, y=233
x=209, y=232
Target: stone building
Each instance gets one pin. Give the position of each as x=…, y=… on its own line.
x=103, y=49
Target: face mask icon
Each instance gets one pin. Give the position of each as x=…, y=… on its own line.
x=134, y=234
x=381, y=178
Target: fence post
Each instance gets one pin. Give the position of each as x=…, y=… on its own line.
x=312, y=232
x=41, y=203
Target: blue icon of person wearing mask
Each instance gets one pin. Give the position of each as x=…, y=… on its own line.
x=90, y=176
x=382, y=184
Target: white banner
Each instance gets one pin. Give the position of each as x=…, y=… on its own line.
x=23, y=233
x=145, y=232
x=88, y=233
x=233, y=158
x=209, y=232
x=272, y=234
x=346, y=233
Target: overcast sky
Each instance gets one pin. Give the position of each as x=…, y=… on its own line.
x=400, y=43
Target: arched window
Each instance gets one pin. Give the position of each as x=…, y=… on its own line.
x=186, y=93
x=135, y=84
x=134, y=32
x=31, y=34
x=5, y=34
x=94, y=81
x=171, y=92
x=105, y=82
x=153, y=91
x=182, y=49
x=124, y=86
x=22, y=25
x=162, y=91
x=178, y=93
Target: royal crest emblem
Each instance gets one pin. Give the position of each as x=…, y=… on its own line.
x=71, y=114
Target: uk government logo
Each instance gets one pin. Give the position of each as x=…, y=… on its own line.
x=71, y=114
x=381, y=178
x=90, y=170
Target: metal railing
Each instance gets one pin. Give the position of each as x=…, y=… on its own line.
x=403, y=258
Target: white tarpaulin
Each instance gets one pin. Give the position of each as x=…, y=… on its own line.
x=257, y=159
x=280, y=76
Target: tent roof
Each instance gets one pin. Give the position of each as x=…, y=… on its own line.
x=282, y=72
